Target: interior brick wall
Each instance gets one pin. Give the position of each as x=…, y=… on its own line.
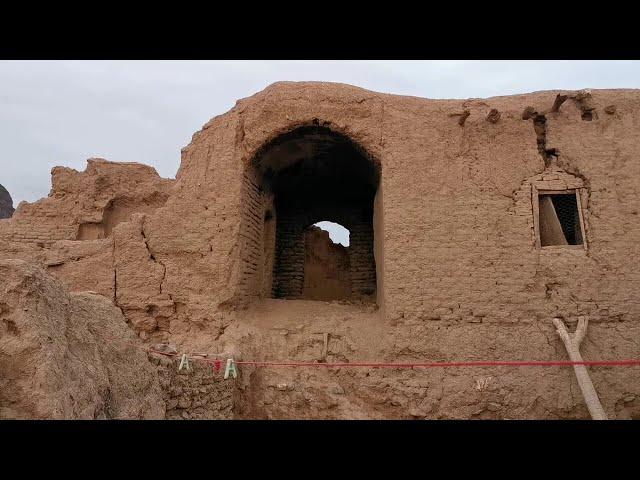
x=290, y=245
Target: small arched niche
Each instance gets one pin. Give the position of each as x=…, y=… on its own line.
x=309, y=175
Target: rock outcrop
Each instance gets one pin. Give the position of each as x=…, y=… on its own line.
x=6, y=204
x=68, y=356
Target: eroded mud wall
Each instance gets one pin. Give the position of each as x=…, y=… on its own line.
x=459, y=272
x=456, y=217
x=327, y=273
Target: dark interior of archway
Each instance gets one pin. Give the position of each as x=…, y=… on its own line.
x=314, y=174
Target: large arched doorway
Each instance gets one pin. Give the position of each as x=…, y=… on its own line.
x=303, y=177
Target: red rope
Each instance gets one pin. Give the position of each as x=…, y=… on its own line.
x=559, y=363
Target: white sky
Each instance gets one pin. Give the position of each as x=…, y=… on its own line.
x=337, y=233
x=63, y=112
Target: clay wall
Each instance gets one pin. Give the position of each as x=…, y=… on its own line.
x=71, y=232
x=195, y=393
x=87, y=205
x=327, y=273
x=290, y=247
x=459, y=272
x=456, y=220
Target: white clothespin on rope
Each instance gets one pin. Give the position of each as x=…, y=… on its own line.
x=231, y=368
x=184, y=362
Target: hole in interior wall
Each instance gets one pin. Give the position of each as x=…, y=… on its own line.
x=327, y=267
x=559, y=219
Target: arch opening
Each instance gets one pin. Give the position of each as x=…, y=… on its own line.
x=311, y=176
x=337, y=233
x=327, y=266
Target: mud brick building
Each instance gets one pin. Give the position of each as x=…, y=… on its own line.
x=472, y=224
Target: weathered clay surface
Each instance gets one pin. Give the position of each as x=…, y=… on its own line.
x=326, y=270
x=68, y=356
x=458, y=273
x=277, y=329
x=199, y=392
x=71, y=231
x=6, y=204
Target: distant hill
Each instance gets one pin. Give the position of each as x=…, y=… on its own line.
x=6, y=203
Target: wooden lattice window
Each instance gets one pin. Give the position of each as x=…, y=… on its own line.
x=558, y=218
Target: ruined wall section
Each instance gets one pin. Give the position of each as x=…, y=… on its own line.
x=606, y=158
x=451, y=198
x=80, y=265
x=87, y=205
x=564, y=275
x=206, y=273
x=326, y=269
x=286, y=106
x=463, y=279
x=199, y=393
x=195, y=236
x=139, y=279
x=40, y=224
x=71, y=232
x=450, y=190
x=462, y=276
x=433, y=393
x=447, y=200
x=466, y=214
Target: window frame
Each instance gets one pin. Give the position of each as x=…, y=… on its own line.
x=535, y=201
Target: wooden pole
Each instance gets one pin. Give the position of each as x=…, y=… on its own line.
x=572, y=343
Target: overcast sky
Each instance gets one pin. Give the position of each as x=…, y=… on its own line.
x=63, y=112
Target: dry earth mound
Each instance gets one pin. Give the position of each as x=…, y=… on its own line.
x=68, y=356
